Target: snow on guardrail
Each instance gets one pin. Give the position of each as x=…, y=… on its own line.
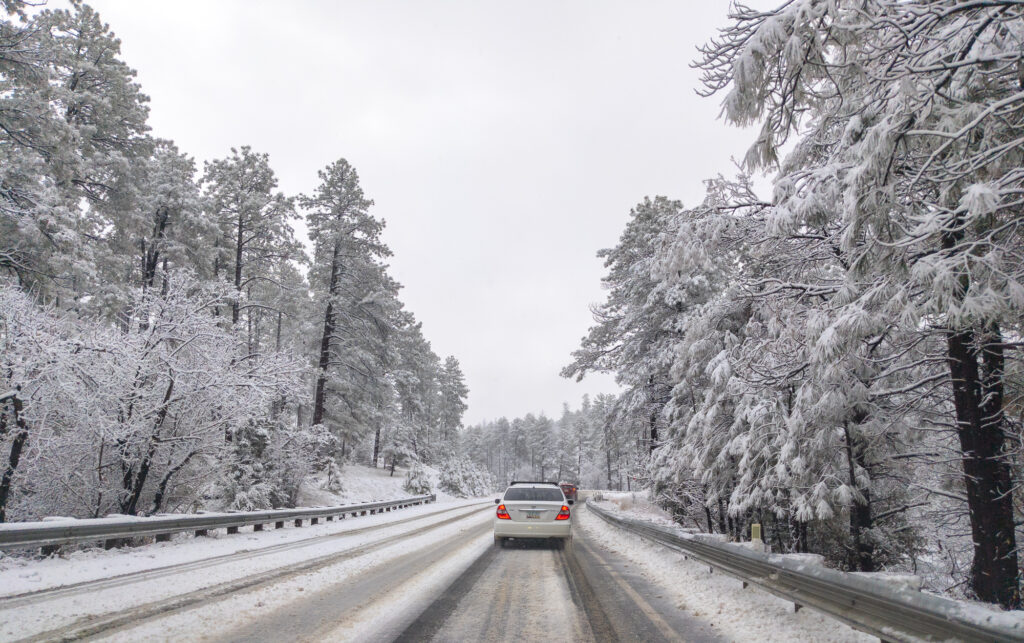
x=70, y=530
x=892, y=613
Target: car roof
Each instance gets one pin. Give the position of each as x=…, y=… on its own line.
x=532, y=483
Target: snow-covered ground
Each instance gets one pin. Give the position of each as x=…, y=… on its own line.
x=635, y=504
x=362, y=484
x=17, y=620
x=740, y=614
x=21, y=572
x=638, y=505
x=363, y=576
x=373, y=609
x=19, y=575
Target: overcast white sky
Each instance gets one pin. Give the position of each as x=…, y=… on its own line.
x=504, y=143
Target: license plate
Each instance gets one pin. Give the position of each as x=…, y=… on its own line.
x=533, y=515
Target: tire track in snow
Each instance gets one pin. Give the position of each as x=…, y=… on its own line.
x=91, y=626
x=90, y=586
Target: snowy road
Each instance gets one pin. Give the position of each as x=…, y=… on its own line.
x=533, y=592
x=432, y=576
x=197, y=591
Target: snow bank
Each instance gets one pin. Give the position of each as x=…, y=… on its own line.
x=633, y=504
x=739, y=614
x=363, y=484
x=19, y=575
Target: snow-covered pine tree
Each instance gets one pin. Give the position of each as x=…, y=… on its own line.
x=255, y=228
x=918, y=112
x=452, y=390
x=359, y=304
x=74, y=121
x=634, y=328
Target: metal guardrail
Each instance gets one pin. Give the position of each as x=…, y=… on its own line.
x=47, y=533
x=892, y=614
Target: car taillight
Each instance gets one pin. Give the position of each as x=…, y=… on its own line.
x=503, y=513
x=563, y=514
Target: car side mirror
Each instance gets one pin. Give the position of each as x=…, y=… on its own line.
x=571, y=502
x=497, y=501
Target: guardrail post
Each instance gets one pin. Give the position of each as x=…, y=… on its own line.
x=362, y=513
x=298, y=522
x=314, y=521
x=232, y=530
x=330, y=518
x=279, y=524
x=202, y=532
x=113, y=543
x=162, y=538
x=258, y=527
x=49, y=550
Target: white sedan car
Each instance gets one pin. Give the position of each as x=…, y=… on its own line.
x=533, y=510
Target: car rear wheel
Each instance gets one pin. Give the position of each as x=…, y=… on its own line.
x=499, y=541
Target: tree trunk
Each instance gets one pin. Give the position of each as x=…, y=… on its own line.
x=608, y=462
x=978, y=400
x=99, y=479
x=136, y=483
x=325, y=341
x=376, y=445
x=277, y=333
x=151, y=253
x=239, y=246
x=161, y=490
x=861, y=555
x=20, y=438
x=654, y=431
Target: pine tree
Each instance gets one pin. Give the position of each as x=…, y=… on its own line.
x=453, y=391
x=359, y=302
x=915, y=114
x=255, y=226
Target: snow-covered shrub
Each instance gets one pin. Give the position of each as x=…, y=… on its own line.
x=460, y=477
x=416, y=481
x=269, y=462
x=136, y=419
x=332, y=477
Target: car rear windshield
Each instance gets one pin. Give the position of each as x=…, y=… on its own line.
x=541, y=494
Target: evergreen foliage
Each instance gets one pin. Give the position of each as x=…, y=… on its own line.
x=166, y=344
